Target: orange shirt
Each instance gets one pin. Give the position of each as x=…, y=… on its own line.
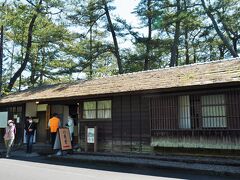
x=54, y=124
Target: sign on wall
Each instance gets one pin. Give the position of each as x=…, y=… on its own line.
x=3, y=119
x=31, y=109
x=90, y=135
x=42, y=107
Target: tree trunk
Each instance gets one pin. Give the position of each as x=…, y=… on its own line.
x=42, y=66
x=221, y=50
x=90, y=54
x=1, y=60
x=220, y=34
x=12, y=59
x=116, y=48
x=148, y=44
x=194, y=55
x=28, y=49
x=211, y=55
x=235, y=42
x=27, y=55
x=34, y=62
x=186, y=37
x=187, y=47
x=1, y=54
x=174, y=49
x=22, y=57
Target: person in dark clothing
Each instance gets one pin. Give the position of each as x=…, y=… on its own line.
x=30, y=128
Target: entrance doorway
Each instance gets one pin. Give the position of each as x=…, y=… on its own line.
x=42, y=131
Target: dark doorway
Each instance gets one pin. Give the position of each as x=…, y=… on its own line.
x=42, y=132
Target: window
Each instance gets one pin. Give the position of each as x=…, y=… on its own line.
x=104, y=109
x=213, y=111
x=184, y=112
x=89, y=110
x=97, y=109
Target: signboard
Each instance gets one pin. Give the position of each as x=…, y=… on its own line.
x=18, y=120
x=63, y=140
x=90, y=135
x=42, y=107
x=3, y=119
x=91, y=138
x=31, y=109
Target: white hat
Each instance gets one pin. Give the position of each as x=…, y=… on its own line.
x=10, y=121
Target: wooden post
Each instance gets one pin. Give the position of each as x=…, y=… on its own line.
x=95, y=139
x=78, y=124
x=86, y=143
x=47, y=115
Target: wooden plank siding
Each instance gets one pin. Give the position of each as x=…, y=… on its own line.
x=131, y=125
x=104, y=134
x=18, y=110
x=127, y=131
x=166, y=132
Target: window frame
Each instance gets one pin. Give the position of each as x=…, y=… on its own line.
x=184, y=112
x=97, y=110
x=212, y=122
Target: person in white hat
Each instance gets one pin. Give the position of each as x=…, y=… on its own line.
x=9, y=136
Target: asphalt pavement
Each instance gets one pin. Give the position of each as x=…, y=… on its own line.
x=40, y=168
x=114, y=166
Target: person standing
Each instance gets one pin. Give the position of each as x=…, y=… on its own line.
x=30, y=128
x=53, y=124
x=70, y=125
x=9, y=136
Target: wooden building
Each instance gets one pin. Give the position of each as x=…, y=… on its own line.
x=192, y=106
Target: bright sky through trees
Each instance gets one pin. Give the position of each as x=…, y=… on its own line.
x=124, y=9
x=65, y=39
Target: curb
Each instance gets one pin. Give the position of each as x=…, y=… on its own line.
x=193, y=167
x=173, y=158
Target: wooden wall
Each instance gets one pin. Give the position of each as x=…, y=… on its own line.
x=165, y=131
x=131, y=125
x=127, y=131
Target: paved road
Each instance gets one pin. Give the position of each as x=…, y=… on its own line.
x=42, y=169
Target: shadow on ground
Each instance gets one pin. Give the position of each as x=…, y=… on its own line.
x=133, y=169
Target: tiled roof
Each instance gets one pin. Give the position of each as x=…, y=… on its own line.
x=183, y=76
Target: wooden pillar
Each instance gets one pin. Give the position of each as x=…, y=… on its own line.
x=47, y=117
x=95, y=139
x=78, y=123
x=86, y=143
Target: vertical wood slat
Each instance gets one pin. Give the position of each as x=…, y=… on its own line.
x=214, y=135
x=134, y=131
x=164, y=114
x=117, y=123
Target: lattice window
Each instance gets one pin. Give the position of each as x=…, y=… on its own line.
x=213, y=111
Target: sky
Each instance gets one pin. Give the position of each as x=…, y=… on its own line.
x=124, y=9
